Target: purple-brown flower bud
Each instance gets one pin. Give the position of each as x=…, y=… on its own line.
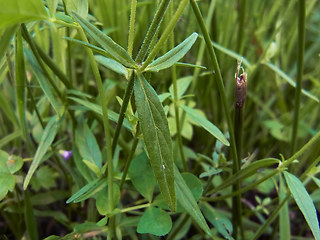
x=241, y=89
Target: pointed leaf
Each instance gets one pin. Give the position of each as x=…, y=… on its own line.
x=102, y=199
x=304, y=202
x=47, y=138
x=155, y=221
x=112, y=65
x=106, y=42
x=187, y=201
x=88, y=190
x=173, y=56
x=154, y=126
x=87, y=145
x=206, y=124
x=182, y=86
x=113, y=116
x=78, y=6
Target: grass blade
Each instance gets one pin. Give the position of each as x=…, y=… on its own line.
x=173, y=56
x=207, y=125
x=155, y=129
x=115, y=50
x=47, y=138
x=304, y=202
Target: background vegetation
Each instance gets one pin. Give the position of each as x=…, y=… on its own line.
x=105, y=133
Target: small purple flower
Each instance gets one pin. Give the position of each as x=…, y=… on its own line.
x=66, y=154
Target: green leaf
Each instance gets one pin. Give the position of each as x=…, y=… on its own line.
x=112, y=65
x=93, y=47
x=182, y=64
x=44, y=83
x=5, y=39
x=154, y=126
x=188, y=202
x=14, y=163
x=247, y=172
x=88, y=190
x=102, y=199
x=304, y=202
x=93, y=167
x=44, y=177
x=106, y=42
x=173, y=56
x=182, y=86
x=113, y=116
x=194, y=184
x=52, y=6
x=207, y=125
x=78, y=6
x=47, y=138
x=289, y=80
x=87, y=145
x=141, y=175
x=220, y=222
x=20, y=83
x=7, y=180
x=19, y=11
x=284, y=218
x=155, y=221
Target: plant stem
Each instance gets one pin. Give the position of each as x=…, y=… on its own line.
x=135, y=208
x=106, y=126
x=241, y=17
x=164, y=35
x=131, y=26
x=221, y=90
x=301, y=39
x=155, y=24
x=130, y=157
x=124, y=105
x=175, y=101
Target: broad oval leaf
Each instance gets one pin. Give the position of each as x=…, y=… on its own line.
x=19, y=11
x=187, y=201
x=102, y=199
x=142, y=178
x=154, y=126
x=106, y=42
x=173, y=56
x=47, y=138
x=78, y=6
x=155, y=221
x=112, y=65
x=206, y=124
x=304, y=202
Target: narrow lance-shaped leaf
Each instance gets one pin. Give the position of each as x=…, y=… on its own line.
x=187, y=201
x=118, y=52
x=210, y=127
x=173, y=56
x=20, y=83
x=304, y=202
x=112, y=65
x=47, y=138
x=155, y=129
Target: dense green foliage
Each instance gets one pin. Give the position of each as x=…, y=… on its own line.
x=118, y=119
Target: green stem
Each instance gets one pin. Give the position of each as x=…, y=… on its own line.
x=131, y=26
x=241, y=16
x=216, y=68
x=106, y=125
x=130, y=157
x=135, y=208
x=164, y=35
x=155, y=24
x=301, y=39
x=175, y=101
x=124, y=105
